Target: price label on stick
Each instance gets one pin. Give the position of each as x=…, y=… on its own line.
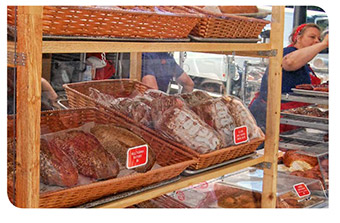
x=240, y=135
x=137, y=156
x=301, y=189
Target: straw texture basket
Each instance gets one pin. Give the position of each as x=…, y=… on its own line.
x=116, y=21
x=171, y=159
x=217, y=25
x=78, y=96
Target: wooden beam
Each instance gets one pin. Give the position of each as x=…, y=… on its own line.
x=273, y=108
x=111, y=47
x=29, y=31
x=136, y=66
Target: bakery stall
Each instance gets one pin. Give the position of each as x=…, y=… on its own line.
x=30, y=123
x=309, y=139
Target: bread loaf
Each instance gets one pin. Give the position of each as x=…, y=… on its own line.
x=243, y=117
x=56, y=168
x=217, y=115
x=117, y=140
x=88, y=155
x=195, y=97
x=238, y=9
x=184, y=126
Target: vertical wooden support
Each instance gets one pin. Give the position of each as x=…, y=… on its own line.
x=136, y=66
x=273, y=108
x=29, y=30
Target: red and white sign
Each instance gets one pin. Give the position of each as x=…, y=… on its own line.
x=301, y=189
x=241, y=135
x=137, y=156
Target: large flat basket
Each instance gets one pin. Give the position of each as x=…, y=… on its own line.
x=217, y=25
x=172, y=161
x=116, y=21
x=78, y=96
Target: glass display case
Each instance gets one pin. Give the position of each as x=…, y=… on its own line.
x=243, y=190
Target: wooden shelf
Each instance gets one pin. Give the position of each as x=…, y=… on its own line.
x=182, y=183
x=99, y=46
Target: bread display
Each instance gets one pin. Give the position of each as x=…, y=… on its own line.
x=319, y=87
x=117, y=140
x=231, y=197
x=239, y=9
x=308, y=111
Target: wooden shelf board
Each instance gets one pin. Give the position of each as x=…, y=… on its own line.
x=99, y=46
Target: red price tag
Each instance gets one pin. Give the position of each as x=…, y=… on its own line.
x=137, y=156
x=240, y=135
x=301, y=189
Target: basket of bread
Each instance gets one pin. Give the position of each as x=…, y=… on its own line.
x=116, y=21
x=86, y=155
x=213, y=130
x=223, y=22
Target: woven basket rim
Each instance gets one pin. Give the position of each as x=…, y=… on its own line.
x=112, y=180
x=114, y=9
x=226, y=16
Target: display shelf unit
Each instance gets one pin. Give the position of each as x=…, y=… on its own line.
x=31, y=44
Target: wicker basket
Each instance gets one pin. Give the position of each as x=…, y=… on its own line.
x=171, y=159
x=78, y=96
x=216, y=25
x=116, y=21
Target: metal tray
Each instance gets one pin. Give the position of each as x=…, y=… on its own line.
x=188, y=172
x=310, y=92
x=126, y=194
x=305, y=98
x=226, y=40
x=313, y=125
x=304, y=135
x=305, y=118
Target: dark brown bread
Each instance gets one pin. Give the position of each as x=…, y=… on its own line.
x=55, y=166
x=89, y=156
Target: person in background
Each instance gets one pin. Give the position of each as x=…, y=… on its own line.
x=48, y=96
x=305, y=45
x=158, y=69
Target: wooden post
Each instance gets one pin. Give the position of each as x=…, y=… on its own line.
x=273, y=108
x=136, y=66
x=29, y=32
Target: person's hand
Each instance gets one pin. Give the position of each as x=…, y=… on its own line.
x=325, y=40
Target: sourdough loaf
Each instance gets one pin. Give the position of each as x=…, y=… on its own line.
x=217, y=115
x=56, y=168
x=88, y=155
x=117, y=140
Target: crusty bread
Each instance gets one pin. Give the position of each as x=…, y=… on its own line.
x=117, y=140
